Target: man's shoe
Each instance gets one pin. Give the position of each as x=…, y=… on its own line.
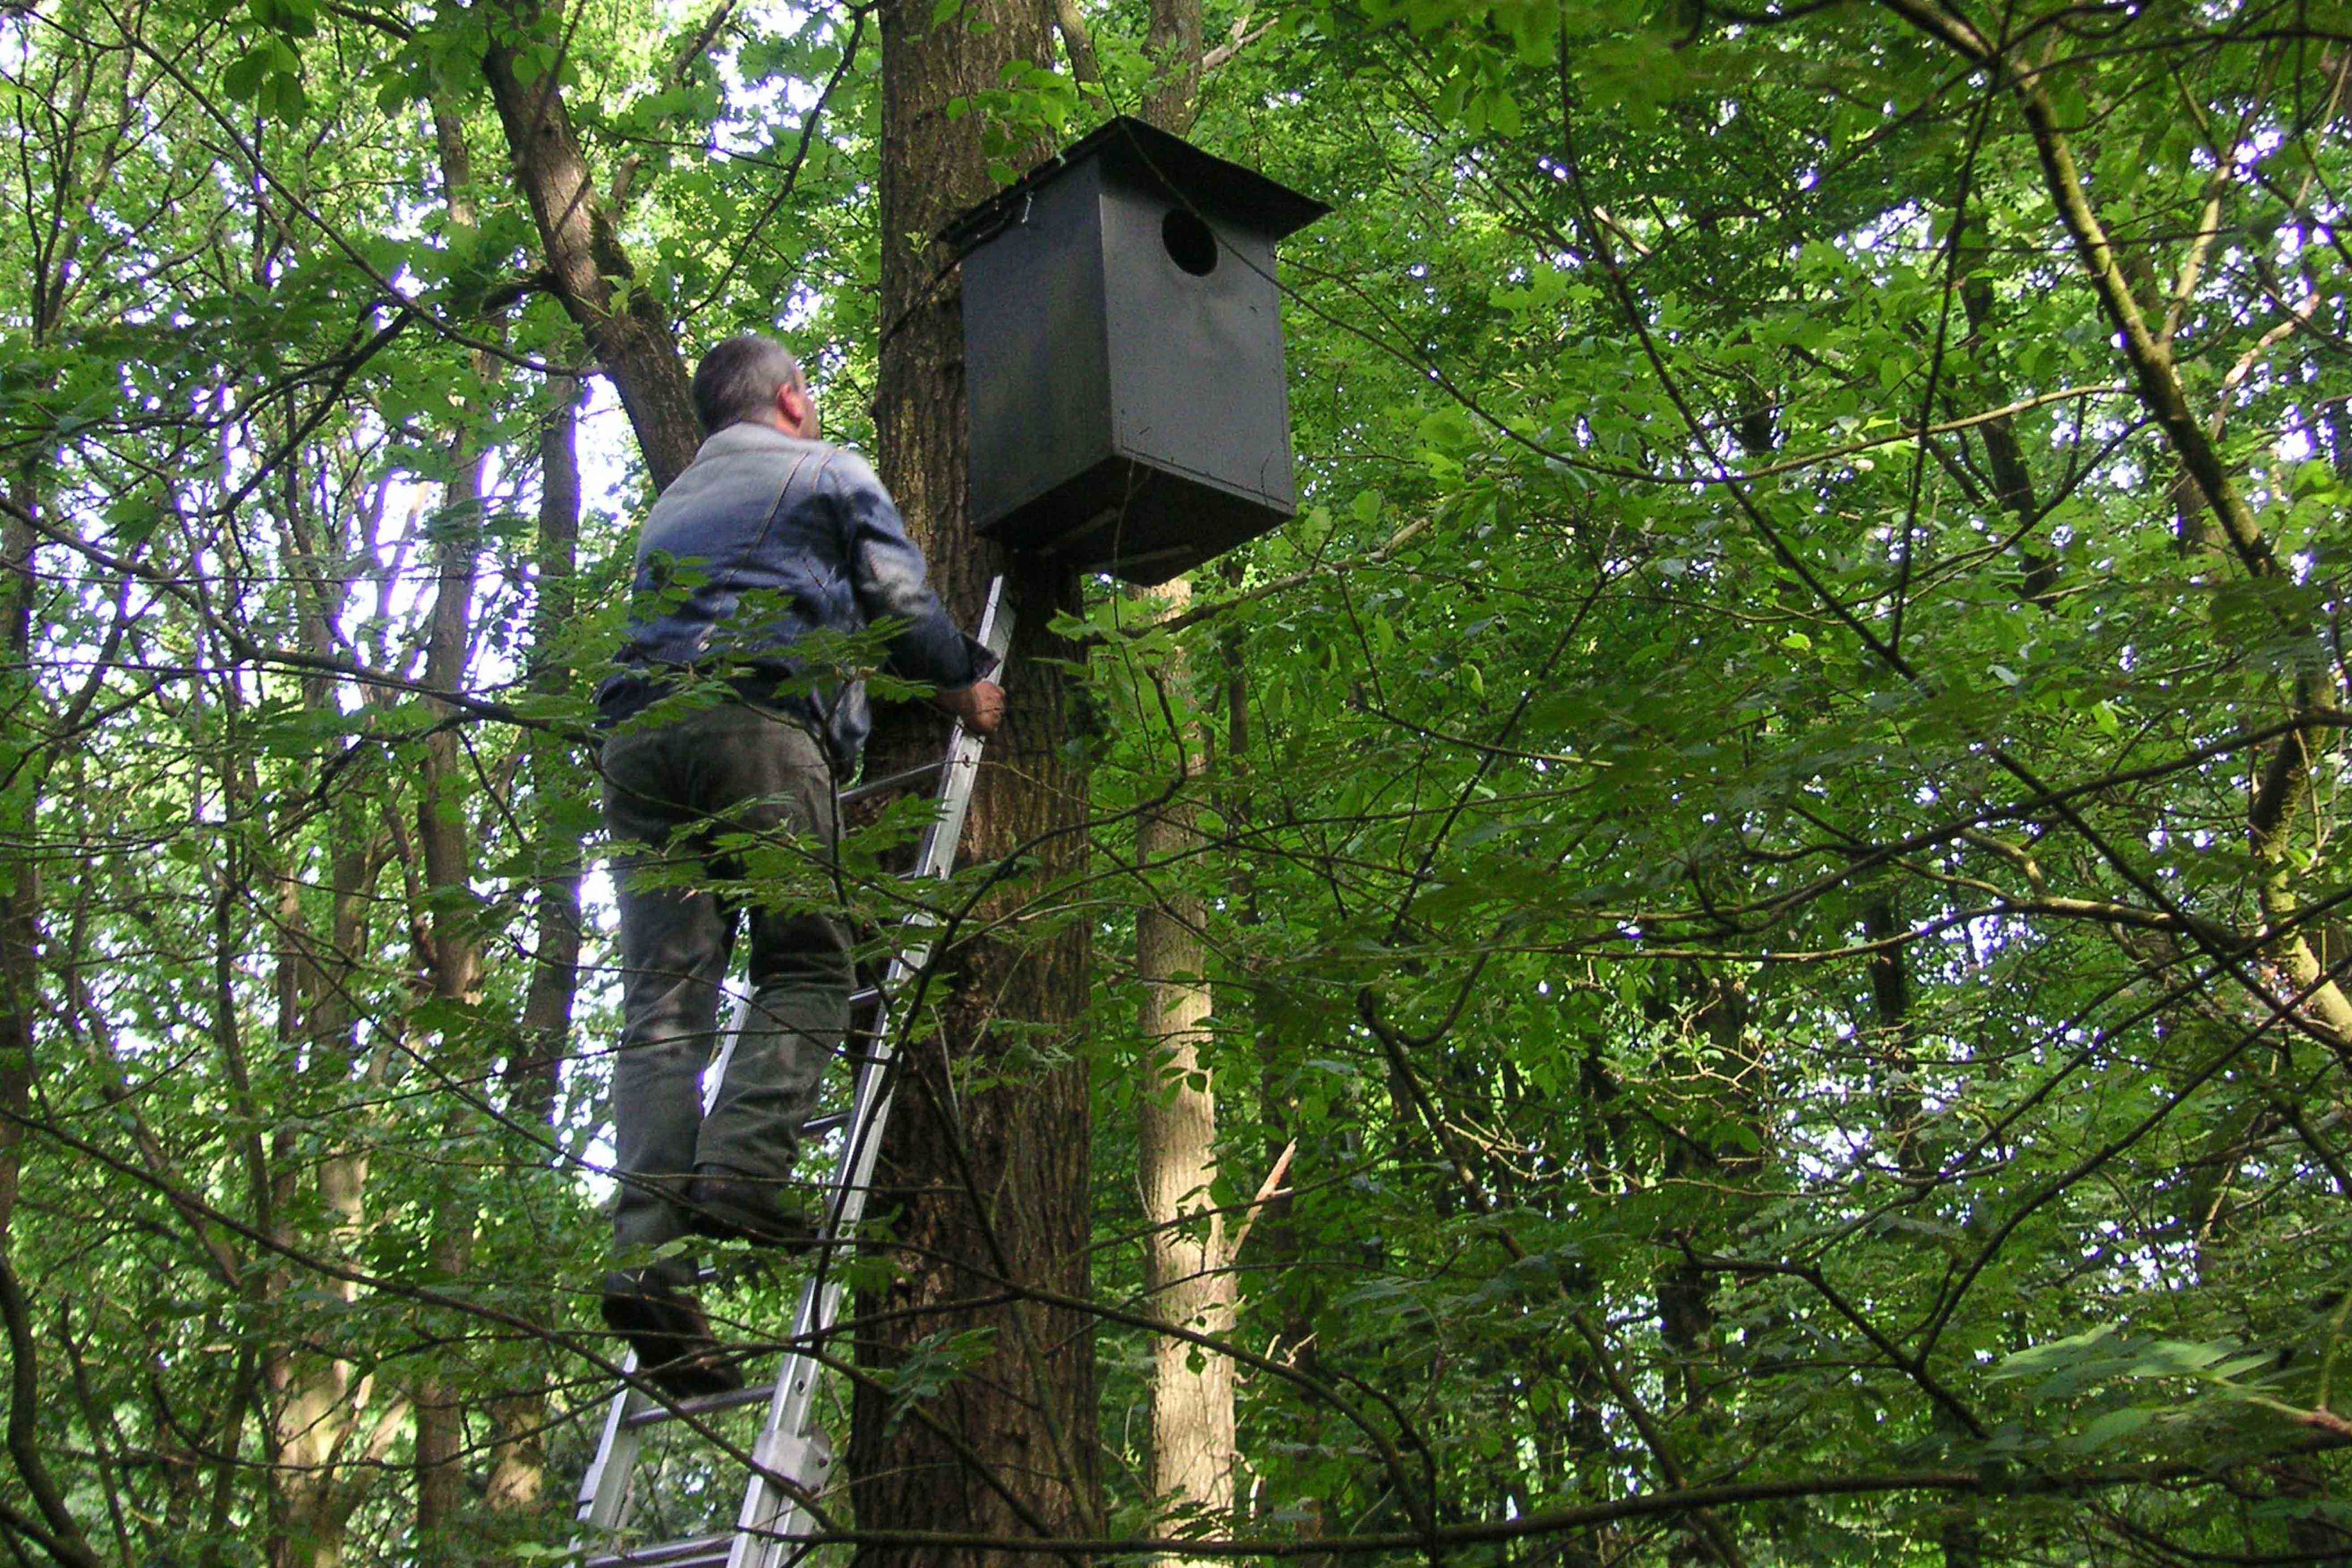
x=729, y=1205
x=670, y=1335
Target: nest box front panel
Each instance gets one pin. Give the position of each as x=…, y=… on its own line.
x=1195, y=342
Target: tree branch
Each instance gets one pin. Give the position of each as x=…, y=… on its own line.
x=65, y=1540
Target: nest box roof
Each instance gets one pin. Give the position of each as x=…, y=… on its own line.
x=1149, y=155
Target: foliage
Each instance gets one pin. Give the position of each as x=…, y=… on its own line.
x=1768, y=847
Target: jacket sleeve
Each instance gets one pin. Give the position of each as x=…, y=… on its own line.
x=888, y=574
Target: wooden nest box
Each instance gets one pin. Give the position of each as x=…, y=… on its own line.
x=1123, y=354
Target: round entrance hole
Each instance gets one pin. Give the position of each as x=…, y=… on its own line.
x=1190, y=243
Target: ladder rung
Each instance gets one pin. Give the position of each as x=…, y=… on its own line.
x=654, y=1414
x=887, y=782
x=818, y=1126
x=865, y=997
x=703, y=1552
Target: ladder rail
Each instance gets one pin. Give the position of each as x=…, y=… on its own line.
x=788, y=1446
x=767, y=1509
x=599, y=1509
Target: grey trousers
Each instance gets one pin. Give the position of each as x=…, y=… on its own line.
x=705, y=798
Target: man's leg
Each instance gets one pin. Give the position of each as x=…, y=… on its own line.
x=675, y=942
x=800, y=980
x=798, y=1018
x=674, y=950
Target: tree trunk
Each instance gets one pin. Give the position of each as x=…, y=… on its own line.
x=20, y=871
x=1187, y=1272
x=1958, y=1536
x=318, y=1443
x=20, y=957
x=450, y=953
x=1717, y=1017
x=450, y=950
x=2004, y=453
x=987, y=1158
x=519, y=1461
x=633, y=341
x=1173, y=43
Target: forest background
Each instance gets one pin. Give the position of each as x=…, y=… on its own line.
x=1730, y=950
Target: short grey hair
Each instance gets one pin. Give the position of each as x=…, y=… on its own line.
x=739, y=380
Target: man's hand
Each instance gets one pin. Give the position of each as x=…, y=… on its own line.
x=979, y=705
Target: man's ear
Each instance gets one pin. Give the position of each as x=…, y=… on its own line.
x=793, y=402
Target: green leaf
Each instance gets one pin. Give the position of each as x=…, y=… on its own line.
x=2118, y=1425
x=243, y=80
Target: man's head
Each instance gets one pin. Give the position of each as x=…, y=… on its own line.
x=755, y=379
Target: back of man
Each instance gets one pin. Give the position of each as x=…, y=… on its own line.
x=768, y=538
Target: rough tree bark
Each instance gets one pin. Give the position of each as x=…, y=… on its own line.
x=987, y=1155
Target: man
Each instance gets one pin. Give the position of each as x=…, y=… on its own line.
x=769, y=537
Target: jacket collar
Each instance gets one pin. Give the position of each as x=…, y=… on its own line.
x=749, y=435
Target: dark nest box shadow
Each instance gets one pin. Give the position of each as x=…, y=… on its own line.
x=1123, y=354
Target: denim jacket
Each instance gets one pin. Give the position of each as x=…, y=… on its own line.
x=807, y=528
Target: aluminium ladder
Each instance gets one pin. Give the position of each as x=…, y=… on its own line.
x=789, y=1445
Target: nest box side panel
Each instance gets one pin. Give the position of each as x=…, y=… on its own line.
x=1196, y=363
x=1036, y=376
